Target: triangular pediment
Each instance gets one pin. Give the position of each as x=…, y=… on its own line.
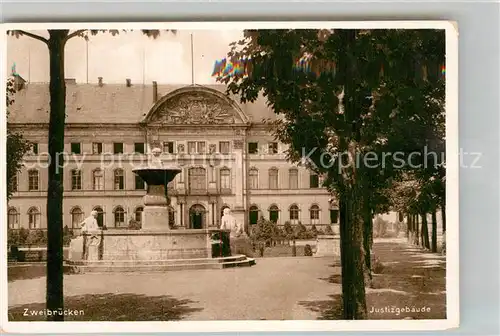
x=195, y=105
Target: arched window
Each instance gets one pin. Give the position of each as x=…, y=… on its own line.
x=76, y=217
x=225, y=179
x=293, y=178
x=253, y=178
x=314, y=214
x=100, y=216
x=33, y=180
x=138, y=214
x=34, y=218
x=197, y=179
x=13, y=218
x=76, y=179
x=98, y=179
x=119, y=216
x=253, y=214
x=274, y=213
x=119, y=179
x=294, y=213
x=273, y=178
x=171, y=216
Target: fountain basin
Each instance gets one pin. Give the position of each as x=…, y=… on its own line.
x=142, y=245
x=148, y=251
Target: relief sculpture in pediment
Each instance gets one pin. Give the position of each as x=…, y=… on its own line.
x=196, y=109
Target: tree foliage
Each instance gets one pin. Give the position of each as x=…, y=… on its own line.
x=17, y=146
x=342, y=95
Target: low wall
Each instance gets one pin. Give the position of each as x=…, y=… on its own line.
x=328, y=246
x=142, y=245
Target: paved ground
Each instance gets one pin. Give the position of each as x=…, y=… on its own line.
x=268, y=290
x=273, y=289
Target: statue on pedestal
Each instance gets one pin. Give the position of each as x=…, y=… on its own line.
x=238, y=239
x=228, y=222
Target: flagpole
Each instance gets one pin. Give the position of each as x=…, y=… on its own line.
x=192, y=61
x=87, y=58
x=29, y=65
x=143, y=65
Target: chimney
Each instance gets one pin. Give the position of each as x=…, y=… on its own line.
x=155, y=91
x=70, y=80
x=100, y=81
x=129, y=82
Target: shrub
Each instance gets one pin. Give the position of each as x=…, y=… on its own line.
x=134, y=225
x=328, y=230
x=288, y=228
x=13, y=237
x=31, y=239
x=308, y=250
x=41, y=237
x=264, y=231
x=67, y=240
x=23, y=236
x=300, y=230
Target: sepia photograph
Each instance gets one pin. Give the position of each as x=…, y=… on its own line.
x=271, y=176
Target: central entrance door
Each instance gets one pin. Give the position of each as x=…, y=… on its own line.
x=197, y=216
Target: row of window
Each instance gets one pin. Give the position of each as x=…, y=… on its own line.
x=193, y=147
x=76, y=217
x=119, y=215
x=197, y=179
x=273, y=179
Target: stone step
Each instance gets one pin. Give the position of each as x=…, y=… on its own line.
x=146, y=268
x=131, y=263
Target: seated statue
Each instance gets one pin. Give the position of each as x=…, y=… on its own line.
x=90, y=223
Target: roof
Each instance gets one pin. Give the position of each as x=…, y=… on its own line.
x=107, y=104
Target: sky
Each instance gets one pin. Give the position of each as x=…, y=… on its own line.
x=166, y=59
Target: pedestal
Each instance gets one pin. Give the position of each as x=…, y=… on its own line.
x=155, y=218
x=155, y=213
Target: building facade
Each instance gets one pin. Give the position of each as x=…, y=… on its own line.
x=227, y=154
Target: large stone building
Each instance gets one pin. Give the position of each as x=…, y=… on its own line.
x=227, y=154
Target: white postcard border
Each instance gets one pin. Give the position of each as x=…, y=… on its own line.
x=452, y=195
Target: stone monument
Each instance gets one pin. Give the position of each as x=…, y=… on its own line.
x=155, y=247
x=239, y=241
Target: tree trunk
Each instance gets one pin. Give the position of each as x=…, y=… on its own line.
x=434, y=232
x=55, y=298
x=410, y=229
x=367, y=235
x=352, y=259
x=417, y=234
x=425, y=232
x=351, y=219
